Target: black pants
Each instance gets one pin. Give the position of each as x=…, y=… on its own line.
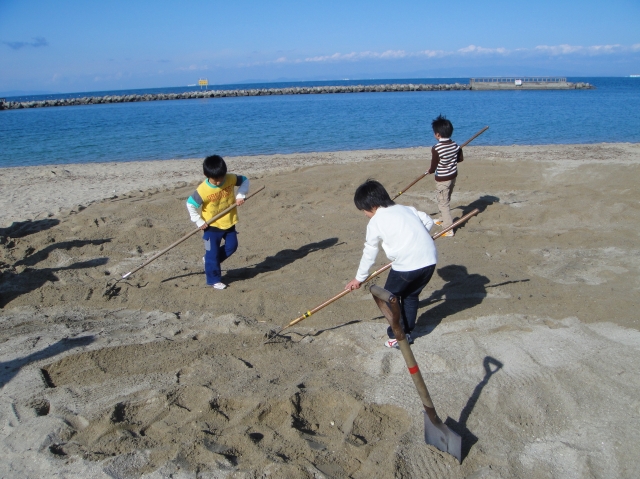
x=407, y=286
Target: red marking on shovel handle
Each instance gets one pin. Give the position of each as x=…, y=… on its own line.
x=414, y=369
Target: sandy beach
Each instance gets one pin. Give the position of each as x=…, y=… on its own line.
x=527, y=335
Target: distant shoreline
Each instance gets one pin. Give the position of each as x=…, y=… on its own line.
x=265, y=156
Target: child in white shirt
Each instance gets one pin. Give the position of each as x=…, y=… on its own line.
x=404, y=233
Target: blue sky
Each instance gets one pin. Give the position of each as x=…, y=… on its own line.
x=69, y=46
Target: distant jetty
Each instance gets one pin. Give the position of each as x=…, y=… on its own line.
x=526, y=83
x=315, y=90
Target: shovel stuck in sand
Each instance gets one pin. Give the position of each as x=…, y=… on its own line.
x=436, y=433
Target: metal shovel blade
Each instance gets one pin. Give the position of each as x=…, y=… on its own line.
x=442, y=437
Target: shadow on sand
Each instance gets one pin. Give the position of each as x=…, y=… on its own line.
x=269, y=264
x=462, y=291
x=13, y=284
x=481, y=203
x=278, y=261
x=9, y=369
x=491, y=366
x=20, y=229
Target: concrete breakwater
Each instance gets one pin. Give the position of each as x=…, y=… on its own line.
x=95, y=100
x=532, y=86
x=527, y=83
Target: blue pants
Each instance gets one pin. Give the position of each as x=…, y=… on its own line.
x=214, y=253
x=407, y=286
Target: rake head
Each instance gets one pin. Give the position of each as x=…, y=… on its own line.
x=112, y=289
x=274, y=335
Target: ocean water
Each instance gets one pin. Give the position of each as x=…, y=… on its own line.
x=305, y=123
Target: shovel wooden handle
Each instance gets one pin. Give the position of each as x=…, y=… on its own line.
x=416, y=375
x=436, y=433
x=390, y=307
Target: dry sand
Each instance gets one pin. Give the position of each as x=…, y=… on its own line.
x=528, y=333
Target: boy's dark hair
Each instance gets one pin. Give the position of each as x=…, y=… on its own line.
x=370, y=195
x=214, y=167
x=442, y=127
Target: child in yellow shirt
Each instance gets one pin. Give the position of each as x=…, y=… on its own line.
x=213, y=195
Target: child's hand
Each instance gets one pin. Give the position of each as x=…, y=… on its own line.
x=353, y=284
x=204, y=226
x=239, y=201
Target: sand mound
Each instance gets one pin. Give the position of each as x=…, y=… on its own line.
x=527, y=335
x=200, y=401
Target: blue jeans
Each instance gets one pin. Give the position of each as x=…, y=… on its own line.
x=407, y=286
x=214, y=253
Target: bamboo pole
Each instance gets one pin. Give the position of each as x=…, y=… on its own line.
x=373, y=275
x=426, y=173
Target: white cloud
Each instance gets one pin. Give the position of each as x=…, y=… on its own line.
x=394, y=54
x=557, y=49
x=592, y=50
x=432, y=53
x=337, y=57
x=468, y=51
x=386, y=55
x=482, y=50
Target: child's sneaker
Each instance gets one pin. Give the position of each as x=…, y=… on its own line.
x=449, y=234
x=391, y=343
x=438, y=221
x=219, y=286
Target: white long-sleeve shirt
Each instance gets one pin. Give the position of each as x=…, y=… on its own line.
x=404, y=233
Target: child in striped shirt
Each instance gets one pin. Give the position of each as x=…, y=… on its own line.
x=445, y=156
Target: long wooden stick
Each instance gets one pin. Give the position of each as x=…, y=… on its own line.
x=427, y=172
x=373, y=275
x=474, y=137
x=185, y=237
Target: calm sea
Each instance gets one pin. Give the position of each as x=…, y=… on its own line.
x=305, y=123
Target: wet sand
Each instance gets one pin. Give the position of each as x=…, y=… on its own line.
x=527, y=335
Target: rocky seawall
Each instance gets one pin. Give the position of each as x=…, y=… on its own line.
x=95, y=100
